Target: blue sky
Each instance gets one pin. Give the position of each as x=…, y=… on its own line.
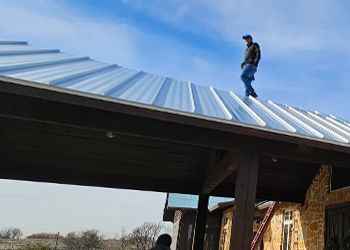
x=305, y=62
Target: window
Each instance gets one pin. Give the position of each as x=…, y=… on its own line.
x=337, y=233
x=287, y=229
x=340, y=178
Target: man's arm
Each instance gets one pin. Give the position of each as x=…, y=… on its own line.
x=257, y=55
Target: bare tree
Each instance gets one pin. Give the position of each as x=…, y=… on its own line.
x=144, y=236
x=11, y=233
x=123, y=242
x=91, y=239
x=88, y=239
x=72, y=241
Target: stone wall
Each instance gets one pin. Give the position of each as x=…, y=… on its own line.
x=309, y=218
x=226, y=224
x=307, y=231
x=273, y=235
x=225, y=234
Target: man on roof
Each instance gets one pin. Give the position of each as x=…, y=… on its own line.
x=249, y=66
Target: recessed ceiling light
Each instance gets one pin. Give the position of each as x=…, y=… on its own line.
x=110, y=134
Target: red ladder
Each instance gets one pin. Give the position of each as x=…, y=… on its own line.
x=263, y=226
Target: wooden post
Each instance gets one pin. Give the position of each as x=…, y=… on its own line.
x=201, y=222
x=245, y=191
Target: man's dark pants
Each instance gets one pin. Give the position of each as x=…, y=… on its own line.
x=247, y=77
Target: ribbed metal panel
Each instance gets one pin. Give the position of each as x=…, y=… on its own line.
x=145, y=90
x=50, y=66
x=13, y=43
x=175, y=94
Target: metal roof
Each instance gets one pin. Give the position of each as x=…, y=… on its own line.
x=61, y=70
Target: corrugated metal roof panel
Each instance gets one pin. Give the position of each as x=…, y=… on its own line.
x=7, y=65
x=335, y=121
x=273, y=116
x=207, y=103
x=50, y=66
x=47, y=74
x=32, y=58
x=238, y=113
x=8, y=42
x=22, y=49
x=342, y=120
x=145, y=90
x=175, y=94
x=102, y=82
x=302, y=127
x=265, y=116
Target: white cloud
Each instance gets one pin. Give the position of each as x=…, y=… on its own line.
x=53, y=24
x=297, y=34
x=283, y=27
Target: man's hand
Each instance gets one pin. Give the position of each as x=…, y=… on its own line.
x=242, y=65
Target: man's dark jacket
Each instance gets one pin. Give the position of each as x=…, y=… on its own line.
x=252, y=54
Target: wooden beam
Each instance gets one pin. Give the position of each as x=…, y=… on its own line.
x=201, y=222
x=220, y=172
x=71, y=175
x=27, y=102
x=245, y=191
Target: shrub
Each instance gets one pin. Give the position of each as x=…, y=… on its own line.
x=35, y=246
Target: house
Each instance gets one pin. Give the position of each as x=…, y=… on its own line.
x=321, y=222
x=181, y=211
x=73, y=120
x=261, y=210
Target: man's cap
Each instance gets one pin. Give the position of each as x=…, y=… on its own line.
x=247, y=36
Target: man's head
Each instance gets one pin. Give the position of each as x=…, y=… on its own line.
x=164, y=239
x=247, y=38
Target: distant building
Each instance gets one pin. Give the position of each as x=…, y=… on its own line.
x=44, y=236
x=181, y=210
x=219, y=220
x=322, y=222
